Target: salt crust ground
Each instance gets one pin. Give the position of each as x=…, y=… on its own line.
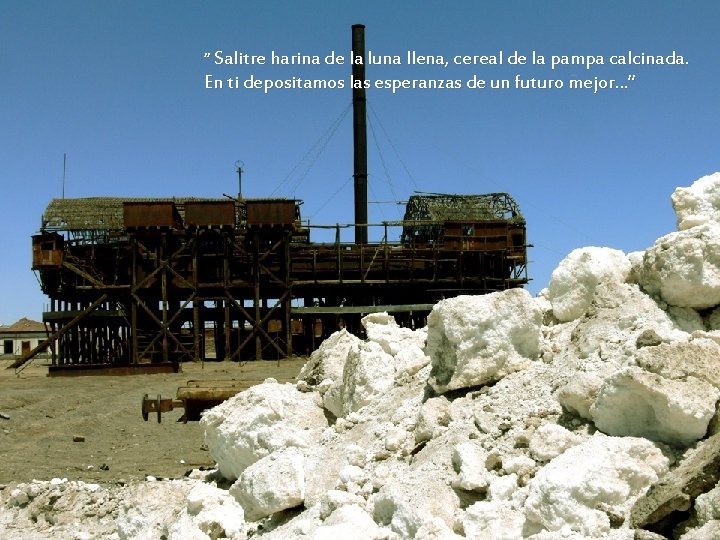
x=508, y=417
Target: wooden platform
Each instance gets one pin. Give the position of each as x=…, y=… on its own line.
x=78, y=370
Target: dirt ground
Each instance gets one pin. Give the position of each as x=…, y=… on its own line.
x=46, y=414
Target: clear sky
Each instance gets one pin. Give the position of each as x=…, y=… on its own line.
x=120, y=88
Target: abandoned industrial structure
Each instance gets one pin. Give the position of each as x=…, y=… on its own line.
x=143, y=284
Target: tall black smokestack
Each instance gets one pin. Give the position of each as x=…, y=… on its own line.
x=359, y=135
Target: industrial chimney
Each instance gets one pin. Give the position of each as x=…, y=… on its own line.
x=359, y=135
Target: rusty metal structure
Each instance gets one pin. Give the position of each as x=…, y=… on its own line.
x=140, y=282
x=145, y=284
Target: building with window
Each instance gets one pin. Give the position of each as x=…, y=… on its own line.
x=21, y=337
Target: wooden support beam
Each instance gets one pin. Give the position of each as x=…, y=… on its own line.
x=165, y=327
x=52, y=339
x=82, y=274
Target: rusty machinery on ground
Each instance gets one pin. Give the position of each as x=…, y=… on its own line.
x=145, y=284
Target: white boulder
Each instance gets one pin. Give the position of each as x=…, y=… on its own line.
x=209, y=512
x=550, y=440
x=348, y=521
x=683, y=268
x=572, y=284
x=638, y=403
x=276, y=482
x=697, y=358
x=493, y=520
x=578, y=394
x=436, y=529
x=405, y=505
x=707, y=505
x=698, y=204
x=149, y=509
x=433, y=418
x=580, y=488
x=328, y=361
x=474, y=340
x=468, y=459
x=384, y=330
x=369, y=373
x=258, y=421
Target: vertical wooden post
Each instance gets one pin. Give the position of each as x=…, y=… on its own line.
x=196, y=307
x=287, y=323
x=134, y=353
x=165, y=345
x=226, y=283
x=257, y=300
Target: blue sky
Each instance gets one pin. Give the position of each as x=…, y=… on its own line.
x=119, y=88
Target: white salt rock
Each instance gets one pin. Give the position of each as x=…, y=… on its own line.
x=707, y=505
x=493, y=520
x=332, y=398
x=340, y=463
x=636, y=261
x=543, y=302
x=608, y=472
x=578, y=395
x=620, y=314
x=327, y=361
x=368, y=374
x=502, y=488
x=209, y=511
x=149, y=509
x=710, y=530
x=436, y=529
x=409, y=361
x=468, y=459
x=683, y=268
x=550, y=440
x=572, y=284
x=352, y=473
x=696, y=358
x=395, y=438
x=567, y=534
x=18, y=497
x=474, y=340
x=433, y=417
x=348, y=521
x=356, y=455
x=287, y=526
x=635, y=402
x=698, y=204
x=406, y=504
x=203, y=496
x=519, y=465
x=258, y=421
x=334, y=499
x=384, y=330
x=274, y=483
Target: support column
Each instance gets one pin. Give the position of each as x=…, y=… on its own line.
x=257, y=299
x=287, y=303
x=226, y=283
x=196, y=307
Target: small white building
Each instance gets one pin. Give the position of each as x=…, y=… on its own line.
x=22, y=337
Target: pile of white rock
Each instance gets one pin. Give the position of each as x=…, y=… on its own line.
x=569, y=415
